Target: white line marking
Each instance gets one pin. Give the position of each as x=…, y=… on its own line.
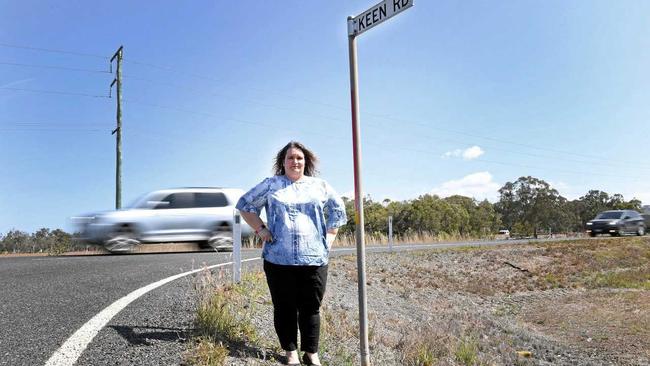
x=70, y=351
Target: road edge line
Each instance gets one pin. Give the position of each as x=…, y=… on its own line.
x=73, y=347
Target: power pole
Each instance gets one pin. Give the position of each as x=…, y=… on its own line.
x=118, y=129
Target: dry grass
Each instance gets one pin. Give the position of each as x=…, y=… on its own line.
x=223, y=324
x=415, y=238
x=620, y=263
x=610, y=314
x=513, y=305
x=614, y=320
x=207, y=353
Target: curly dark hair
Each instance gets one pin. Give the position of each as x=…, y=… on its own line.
x=310, y=159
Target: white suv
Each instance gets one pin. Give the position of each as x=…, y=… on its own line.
x=172, y=215
x=503, y=234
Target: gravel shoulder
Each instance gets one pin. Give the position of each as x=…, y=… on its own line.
x=583, y=302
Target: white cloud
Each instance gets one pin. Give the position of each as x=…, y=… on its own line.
x=478, y=185
x=467, y=154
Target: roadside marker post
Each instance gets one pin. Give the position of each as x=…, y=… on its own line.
x=357, y=25
x=236, y=248
x=390, y=233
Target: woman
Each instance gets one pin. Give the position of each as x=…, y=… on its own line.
x=297, y=242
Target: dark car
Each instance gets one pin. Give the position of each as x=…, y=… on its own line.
x=616, y=223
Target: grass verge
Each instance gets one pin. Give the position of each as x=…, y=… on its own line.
x=223, y=325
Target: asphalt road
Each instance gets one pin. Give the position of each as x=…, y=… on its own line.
x=44, y=300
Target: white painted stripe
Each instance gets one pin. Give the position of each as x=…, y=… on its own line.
x=70, y=351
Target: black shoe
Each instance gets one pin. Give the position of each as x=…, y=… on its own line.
x=307, y=360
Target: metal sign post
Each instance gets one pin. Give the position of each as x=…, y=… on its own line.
x=357, y=25
x=236, y=248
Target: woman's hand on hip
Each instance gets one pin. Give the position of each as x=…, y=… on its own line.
x=265, y=235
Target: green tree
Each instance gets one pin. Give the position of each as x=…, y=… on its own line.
x=375, y=217
x=529, y=204
x=466, y=210
x=485, y=220
x=41, y=240
x=15, y=241
x=61, y=241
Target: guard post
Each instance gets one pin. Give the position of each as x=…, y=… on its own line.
x=236, y=247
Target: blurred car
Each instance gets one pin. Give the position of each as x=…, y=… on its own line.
x=503, y=234
x=616, y=223
x=202, y=215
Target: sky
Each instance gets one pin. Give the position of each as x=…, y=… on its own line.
x=456, y=97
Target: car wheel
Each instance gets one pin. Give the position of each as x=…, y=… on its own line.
x=640, y=231
x=221, y=238
x=592, y=234
x=122, y=240
x=620, y=232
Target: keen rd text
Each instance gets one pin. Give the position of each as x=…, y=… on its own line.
x=377, y=14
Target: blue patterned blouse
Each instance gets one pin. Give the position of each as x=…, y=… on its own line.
x=295, y=212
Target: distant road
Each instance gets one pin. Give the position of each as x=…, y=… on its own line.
x=46, y=299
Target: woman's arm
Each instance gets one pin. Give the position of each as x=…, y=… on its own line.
x=331, y=236
x=254, y=221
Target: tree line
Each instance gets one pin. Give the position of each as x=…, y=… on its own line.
x=528, y=206
x=43, y=240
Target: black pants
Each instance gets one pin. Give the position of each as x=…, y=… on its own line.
x=297, y=292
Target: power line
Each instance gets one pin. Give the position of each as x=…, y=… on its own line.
x=212, y=115
x=490, y=138
x=223, y=95
x=55, y=129
x=212, y=79
x=209, y=78
x=449, y=141
x=393, y=119
x=57, y=92
x=52, y=50
x=384, y=146
x=598, y=163
x=174, y=70
x=54, y=67
x=64, y=124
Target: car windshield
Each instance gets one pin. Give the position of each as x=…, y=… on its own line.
x=142, y=201
x=610, y=215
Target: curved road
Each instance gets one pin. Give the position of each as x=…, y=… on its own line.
x=44, y=300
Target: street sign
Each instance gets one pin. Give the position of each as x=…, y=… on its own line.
x=357, y=25
x=376, y=15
